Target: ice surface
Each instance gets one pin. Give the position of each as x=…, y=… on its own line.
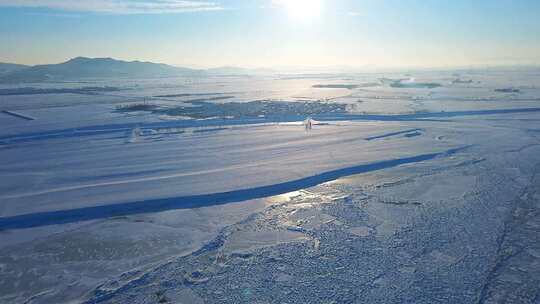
x=413, y=193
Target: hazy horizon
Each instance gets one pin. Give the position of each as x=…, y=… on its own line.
x=308, y=69
x=273, y=33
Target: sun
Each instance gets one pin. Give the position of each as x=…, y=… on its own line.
x=302, y=9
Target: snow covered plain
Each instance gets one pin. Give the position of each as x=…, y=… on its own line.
x=404, y=195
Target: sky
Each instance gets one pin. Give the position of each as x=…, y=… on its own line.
x=274, y=33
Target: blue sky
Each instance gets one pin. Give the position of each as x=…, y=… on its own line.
x=274, y=33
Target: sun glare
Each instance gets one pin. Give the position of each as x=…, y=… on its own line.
x=302, y=9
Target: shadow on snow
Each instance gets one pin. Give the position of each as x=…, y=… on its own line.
x=204, y=200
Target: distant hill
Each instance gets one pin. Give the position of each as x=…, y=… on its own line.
x=6, y=68
x=82, y=67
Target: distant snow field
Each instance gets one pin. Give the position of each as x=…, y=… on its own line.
x=407, y=189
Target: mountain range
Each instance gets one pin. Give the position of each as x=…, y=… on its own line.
x=6, y=68
x=83, y=67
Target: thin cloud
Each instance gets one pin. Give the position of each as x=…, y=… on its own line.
x=118, y=6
